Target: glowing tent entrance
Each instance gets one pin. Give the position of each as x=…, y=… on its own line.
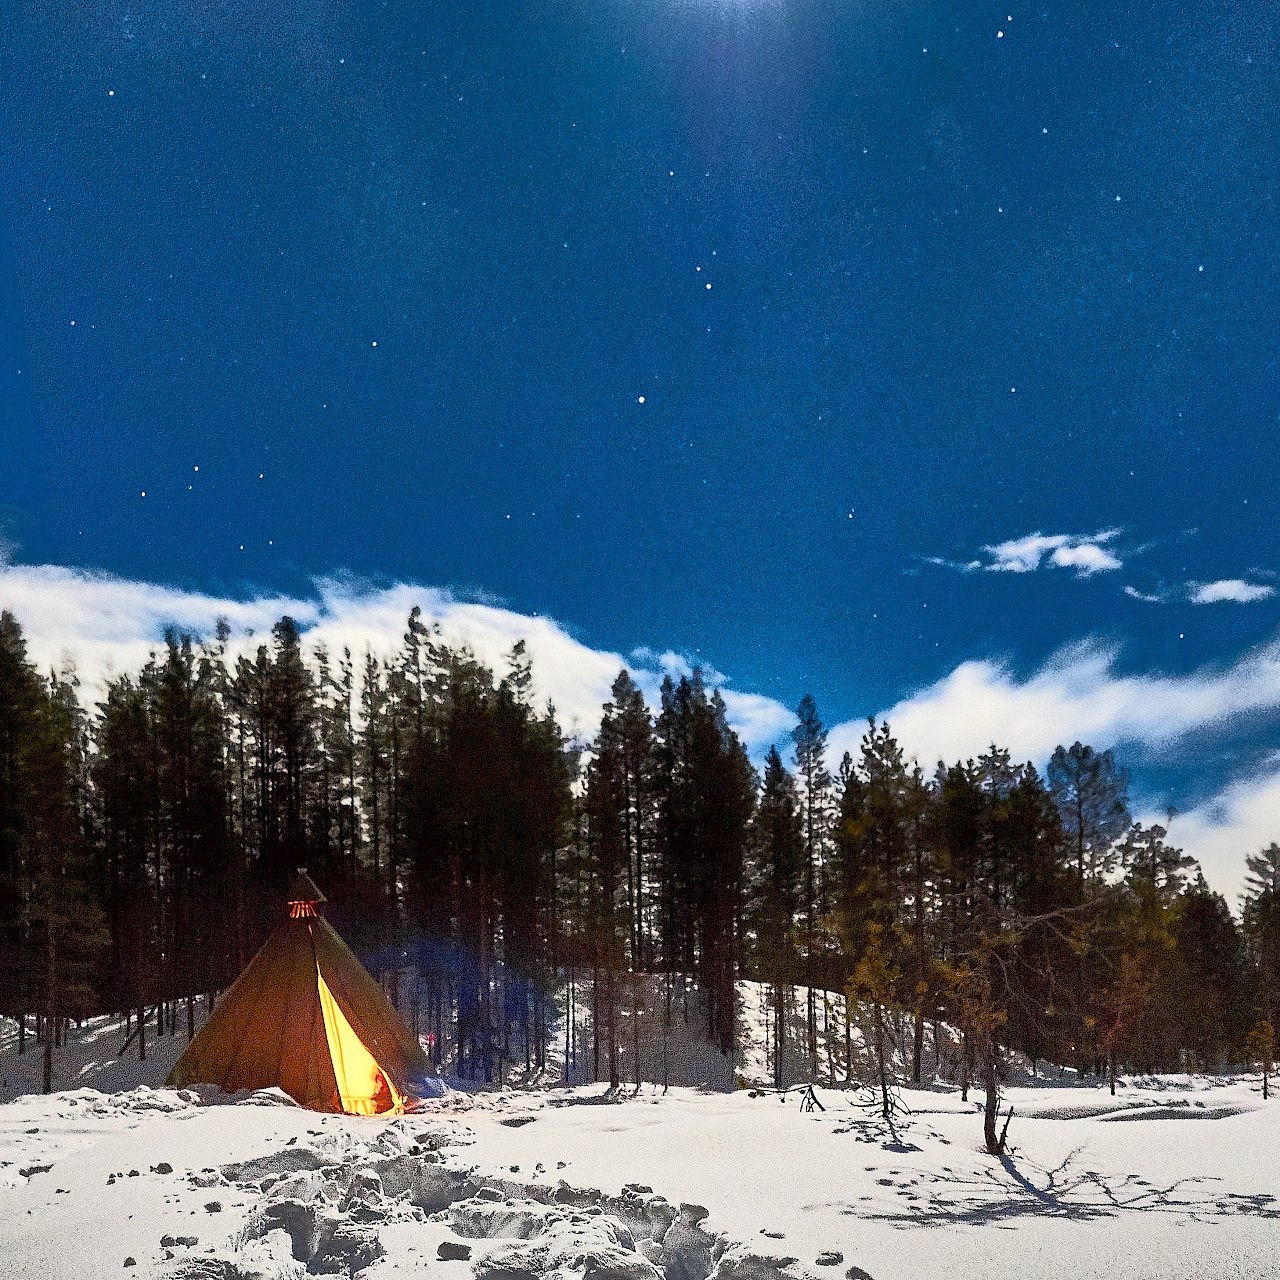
x=363, y=1089
x=305, y=1016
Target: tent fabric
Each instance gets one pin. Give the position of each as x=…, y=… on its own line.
x=363, y=1088
x=303, y=888
x=269, y=1029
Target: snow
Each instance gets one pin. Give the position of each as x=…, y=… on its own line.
x=577, y=1184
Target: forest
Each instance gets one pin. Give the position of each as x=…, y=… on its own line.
x=484, y=866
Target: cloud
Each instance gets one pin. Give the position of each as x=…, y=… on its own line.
x=1240, y=820
x=1087, y=554
x=1140, y=595
x=1086, y=558
x=1077, y=694
x=1235, y=589
x=106, y=625
x=676, y=665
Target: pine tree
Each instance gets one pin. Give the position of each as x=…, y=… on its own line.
x=1263, y=871
x=127, y=801
x=65, y=924
x=1091, y=792
x=488, y=803
x=1260, y=1047
x=190, y=740
x=1260, y=922
x=704, y=793
x=1138, y=935
x=1201, y=1005
x=885, y=865
x=810, y=738
x=618, y=813
x=20, y=697
x=778, y=854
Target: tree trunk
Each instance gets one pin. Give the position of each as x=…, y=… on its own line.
x=666, y=1031
x=917, y=1045
x=991, y=1106
x=50, y=1005
x=613, y=1029
x=884, y=1080
x=779, y=1032
x=595, y=1023
x=811, y=1025
x=848, y=1042
x=568, y=1024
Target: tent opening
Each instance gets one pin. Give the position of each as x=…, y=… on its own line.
x=363, y=1086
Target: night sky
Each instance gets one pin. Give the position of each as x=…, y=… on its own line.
x=710, y=325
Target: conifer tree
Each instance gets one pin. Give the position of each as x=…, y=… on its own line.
x=778, y=853
x=704, y=795
x=810, y=738
x=1262, y=871
x=1091, y=792
x=20, y=697
x=64, y=922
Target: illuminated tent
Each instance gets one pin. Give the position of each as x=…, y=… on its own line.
x=306, y=1016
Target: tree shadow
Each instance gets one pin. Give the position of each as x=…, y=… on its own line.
x=1021, y=1189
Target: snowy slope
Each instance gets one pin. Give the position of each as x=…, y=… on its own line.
x=1173, y=1178
x=93, y=1056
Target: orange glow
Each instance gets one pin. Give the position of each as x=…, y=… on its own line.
x=299, y=910
x=362, y=1085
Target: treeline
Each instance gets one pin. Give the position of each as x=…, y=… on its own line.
x=483, y=865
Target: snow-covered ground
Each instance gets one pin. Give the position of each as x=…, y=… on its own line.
x=1174, y=1178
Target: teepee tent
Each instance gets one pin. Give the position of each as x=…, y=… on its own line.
x=307, y=1017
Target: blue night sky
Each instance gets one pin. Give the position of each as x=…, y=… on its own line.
x=704, y=325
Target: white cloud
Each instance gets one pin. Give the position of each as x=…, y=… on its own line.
x=107, y=625
x=1235, y=589
x=1240, y=820
x=1086, y=558
x=676, y=665
x=1077, y=694
x=1138, y=595
x=1086, y=554
x=967, y=566
x=1022, y=555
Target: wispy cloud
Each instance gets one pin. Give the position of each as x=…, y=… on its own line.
x=109, y=624
x=1078, y=693
x=1234, y=589
x=106, y=625
x=675, y=665
x=1240, y=820
x=1087, y=554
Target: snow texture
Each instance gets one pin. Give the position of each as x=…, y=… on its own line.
x=579, y=1183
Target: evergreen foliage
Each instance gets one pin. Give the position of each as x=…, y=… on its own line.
x=483, y=864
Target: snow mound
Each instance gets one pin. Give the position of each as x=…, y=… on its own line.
x=743, y=1262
